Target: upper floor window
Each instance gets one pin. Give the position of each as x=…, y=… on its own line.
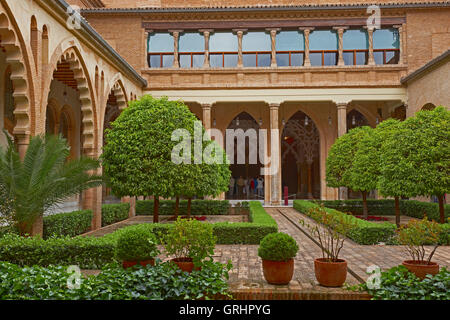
x=223, y=50
x=323, y=48
x=191, y=50
x=290, y=48
x=256, y=49
x=356, y=47
x=386, y=46
x=160, y=50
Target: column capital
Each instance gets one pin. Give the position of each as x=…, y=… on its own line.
x=274, y=105
x=148, y=30
x=175, y=31
x=273, y=29
x=340, y=28
x=239, y=30
x=307, y=29
x=397, y=26
x=206, y=30
x=342, y=105
x=206, y=105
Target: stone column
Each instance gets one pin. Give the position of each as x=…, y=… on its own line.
x=276, y=148
x=340, y=31
x=299, y=178
x=310, y=178
x=147, y=47
x=176, y=38
x=306, y=32
x=206, y=108
x=22, y=141
x=342, y=129
x=401, y=43
x=240, y=35
x=273, y=38
x=206, y=35
x=371, y=61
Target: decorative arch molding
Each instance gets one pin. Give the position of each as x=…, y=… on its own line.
x=243, y=109
x=116, y=84
x=16, y=57
x=370, y=117
x=70, y=51
x=428, y=106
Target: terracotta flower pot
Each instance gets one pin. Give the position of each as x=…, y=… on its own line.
x=185, y=264
x=129, y=264
x=278, y=272
x=330, y=274
x=421, y=268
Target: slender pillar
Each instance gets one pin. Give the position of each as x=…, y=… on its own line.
x=275, y=152
x=206, y=108
x=206, y=35
x=310, y=178
x=176, y=37
x=92, y=200
x=340, y=31
x=22, y=141
x=306, y=32
x=299, y=178
x=146, y=36
x=342, y=129
x=273, y=38
x=401, y=43
x=240, y=35
x=371, y=60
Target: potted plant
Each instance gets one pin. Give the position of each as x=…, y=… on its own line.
x=330, y=231
x=277, y=251
x=415, y=235
x=136, y=246
x=190, y=242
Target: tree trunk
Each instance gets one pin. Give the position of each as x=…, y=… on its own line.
x=156, y=209
x=189, y=208
x=177, y=207
x=365, y=209
x=397, y=211
x=38, y=226
x=441, y=209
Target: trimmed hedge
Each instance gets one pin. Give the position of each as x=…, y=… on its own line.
x=113, y=213
x=198, y=207
x=364, y=232
x=386, y=207
x=67, y=224
x=93, y=253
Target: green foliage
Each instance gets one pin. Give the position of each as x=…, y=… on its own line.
x=190, y=239
x=415, y=160
x=136, y=245
x=113, y=213
x=341, y=156
x=67, y=224
x=137, y=158
x=362, y=232
x=93, y=253
x=198, y=207
x=419, y=209
x=277, y=247
x=86, y=252
x=44, y=178
x=418, y=233
x=399, y=284
x=161, y=282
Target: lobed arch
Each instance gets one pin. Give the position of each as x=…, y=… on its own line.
x=69, y=51
x=16, y=57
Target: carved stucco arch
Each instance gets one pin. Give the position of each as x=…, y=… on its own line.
x=70, y=51
x=16, y=59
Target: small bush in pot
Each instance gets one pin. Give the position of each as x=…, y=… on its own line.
x=136, y=247
x=415, y=235
x=277, y=251
x=190, y=242
x=331, y=233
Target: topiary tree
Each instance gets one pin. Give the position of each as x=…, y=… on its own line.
x=415, y=161
x=138, y=157
x=366, y=170
x=340, y=159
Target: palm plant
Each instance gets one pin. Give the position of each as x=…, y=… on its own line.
x=43, y=179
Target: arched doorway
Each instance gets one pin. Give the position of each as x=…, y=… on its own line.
x=300, y=157
x=245, y=167
x=356, y=119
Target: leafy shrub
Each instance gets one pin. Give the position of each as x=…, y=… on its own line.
x=399, y=284
x=419, y=209
x=86, y=252
x=198, y=207
x=277, y=247
x=190, y=239
x=113, y=213
x=136, y=245
x=67, y=224
x=362, y=232
x=162, y=282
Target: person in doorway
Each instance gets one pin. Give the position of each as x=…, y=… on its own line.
x=240, y=185
x=231, y=190
x=260, y=187
x=252, y=188
x=255, y=180
x=247, y=188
